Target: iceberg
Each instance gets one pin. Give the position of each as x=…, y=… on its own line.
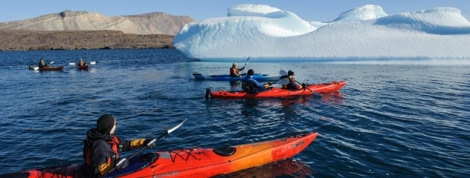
x=367, y=32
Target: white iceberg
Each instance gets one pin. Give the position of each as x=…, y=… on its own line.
x=367, y=32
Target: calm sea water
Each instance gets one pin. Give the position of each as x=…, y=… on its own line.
x=389, y=120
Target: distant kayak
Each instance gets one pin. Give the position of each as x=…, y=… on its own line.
x=279, y=92
x=82, y=67
x=258, y=77
x=46, y=68
x=195, y=162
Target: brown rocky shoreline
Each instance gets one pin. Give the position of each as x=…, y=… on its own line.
x=22, y=40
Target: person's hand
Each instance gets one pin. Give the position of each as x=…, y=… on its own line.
x=122, y=163
x=149, y=143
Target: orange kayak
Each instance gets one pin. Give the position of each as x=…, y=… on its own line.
x=195, y=162
x=280, y=92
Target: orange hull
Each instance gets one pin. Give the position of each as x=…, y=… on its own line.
x=202, y=162
x=279, y=92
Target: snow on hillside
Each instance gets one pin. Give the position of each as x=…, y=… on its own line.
x=367, y=32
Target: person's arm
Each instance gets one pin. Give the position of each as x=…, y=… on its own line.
x=136, y=143
x=101, y=160
x=259, y=85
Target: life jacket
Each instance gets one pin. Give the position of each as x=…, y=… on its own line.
x=249, y=86
x=233, y=72
x=88, y=150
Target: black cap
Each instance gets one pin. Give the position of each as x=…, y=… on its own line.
x=290, y=73
x=251, y=72
x=105, y=123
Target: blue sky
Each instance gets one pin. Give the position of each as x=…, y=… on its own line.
x=310, y=10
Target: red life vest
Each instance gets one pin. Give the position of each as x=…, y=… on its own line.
x=88, y=152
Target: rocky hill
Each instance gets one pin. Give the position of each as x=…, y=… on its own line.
x=89, y=30
x=150, y=23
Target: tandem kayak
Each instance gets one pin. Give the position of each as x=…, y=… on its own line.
x=46, y=68
x=279, y=92
x=258, y=77
x=195, y=162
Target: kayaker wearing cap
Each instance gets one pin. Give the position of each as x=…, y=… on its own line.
x=250, y=85
x=293, y=84
x=234, y=71
x=102, y=147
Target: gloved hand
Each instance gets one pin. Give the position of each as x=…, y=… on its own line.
x=151, y=145
x=122, y=163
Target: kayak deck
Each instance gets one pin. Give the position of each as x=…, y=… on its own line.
x=259, y=77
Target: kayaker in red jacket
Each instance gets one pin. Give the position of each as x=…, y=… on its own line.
x=102, y=148
x=234, y=71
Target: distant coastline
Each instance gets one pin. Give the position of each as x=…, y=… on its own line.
x=24, y=40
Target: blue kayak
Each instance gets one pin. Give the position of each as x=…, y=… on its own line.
x=258, y=77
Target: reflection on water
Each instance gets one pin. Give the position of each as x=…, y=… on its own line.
x=283, y=168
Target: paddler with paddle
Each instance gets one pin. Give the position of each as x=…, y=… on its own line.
x=102, y=148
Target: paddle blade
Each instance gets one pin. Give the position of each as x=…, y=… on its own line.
x=283, y=81
x=283, y=72
x=176, y=127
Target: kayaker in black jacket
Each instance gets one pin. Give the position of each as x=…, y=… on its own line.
x=250, y=85
x=102, y=148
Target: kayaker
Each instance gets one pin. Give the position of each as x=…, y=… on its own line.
x=81, y=63
x=293, y=84
x=42, y=63
x=234, y=71
x=250, y=85
x=101, y=148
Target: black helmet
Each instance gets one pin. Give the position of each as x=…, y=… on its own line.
x=251, y=72
x=290, y=73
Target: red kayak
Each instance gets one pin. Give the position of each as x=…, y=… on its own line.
x=195, y=162
x=47, y=68
x=280, y=92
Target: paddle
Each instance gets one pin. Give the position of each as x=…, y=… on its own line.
x=247, y=59
x=284, y=79
x=167, y=132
